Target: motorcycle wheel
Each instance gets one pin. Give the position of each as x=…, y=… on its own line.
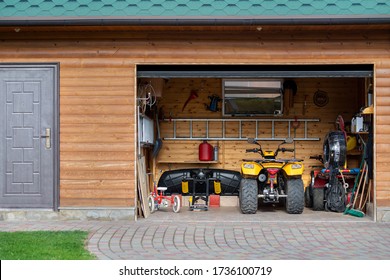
x=335, y=149
x=295, y=201
x=248, y=196
x=318, y=199
x=308, y=197
x=309, y=191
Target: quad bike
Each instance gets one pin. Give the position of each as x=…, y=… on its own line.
x=272, y=179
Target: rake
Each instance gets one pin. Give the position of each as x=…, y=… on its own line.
x=362, y=173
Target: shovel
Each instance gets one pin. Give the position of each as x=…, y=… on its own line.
x=158, y=144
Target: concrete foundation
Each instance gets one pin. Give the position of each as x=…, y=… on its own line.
x=383, y=214
x=88, y=214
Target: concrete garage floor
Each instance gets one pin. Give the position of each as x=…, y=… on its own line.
x=265, y=213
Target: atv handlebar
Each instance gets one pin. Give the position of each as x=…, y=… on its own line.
x=319, y=158
x=286, y=150
x=255, y=150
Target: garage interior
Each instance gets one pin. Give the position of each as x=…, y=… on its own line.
x=182, y=106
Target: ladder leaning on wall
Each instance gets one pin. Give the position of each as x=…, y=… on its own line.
x=289, y=127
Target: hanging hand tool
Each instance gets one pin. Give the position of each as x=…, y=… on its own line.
x=193, y=95
x=214, y=99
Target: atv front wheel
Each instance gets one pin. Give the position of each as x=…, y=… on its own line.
x=248, y=196
x=295, y=201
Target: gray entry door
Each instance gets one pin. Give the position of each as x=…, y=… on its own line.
x=28, y=122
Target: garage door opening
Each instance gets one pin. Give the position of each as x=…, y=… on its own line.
x=194, y=147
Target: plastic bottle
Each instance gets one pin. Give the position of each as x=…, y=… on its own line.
x=205, y=151
x=216, y=153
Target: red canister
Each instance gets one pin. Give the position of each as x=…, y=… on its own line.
x=205, y=151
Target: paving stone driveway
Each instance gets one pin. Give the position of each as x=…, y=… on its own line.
x=224, y=233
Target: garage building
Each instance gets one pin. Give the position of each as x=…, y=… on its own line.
x=72, y=75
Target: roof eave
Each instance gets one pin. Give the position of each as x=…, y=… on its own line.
x=194, y=21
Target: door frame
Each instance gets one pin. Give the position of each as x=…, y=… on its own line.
x=55, y=66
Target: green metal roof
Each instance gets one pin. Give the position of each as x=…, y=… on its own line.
x=191, y=9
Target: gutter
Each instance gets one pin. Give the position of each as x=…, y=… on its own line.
x=194, y=21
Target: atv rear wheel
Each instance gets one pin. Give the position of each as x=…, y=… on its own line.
x=295, y=201
x=248, y=196
x=318, y=199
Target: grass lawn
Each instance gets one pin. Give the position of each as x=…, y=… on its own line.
x=44, y=245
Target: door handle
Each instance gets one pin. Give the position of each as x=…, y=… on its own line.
x=47, y=137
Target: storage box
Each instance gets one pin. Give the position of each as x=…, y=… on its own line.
x=146, y=131
x=357, y=124
x=214, y=200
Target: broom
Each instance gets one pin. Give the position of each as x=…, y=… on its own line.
x=353, y=211
x=349, y=208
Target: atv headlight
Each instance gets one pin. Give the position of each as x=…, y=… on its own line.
x=249, y=165
x=262, y=178
x=296, y=166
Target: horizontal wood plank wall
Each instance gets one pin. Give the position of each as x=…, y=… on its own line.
x=97, y=89
x=97, y=134
x=343, y=95
x=382, y=133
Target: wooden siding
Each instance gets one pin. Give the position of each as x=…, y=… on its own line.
x=97, y=133
x=97, y=123
x=343, y=93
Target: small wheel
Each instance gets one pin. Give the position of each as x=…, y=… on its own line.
x=176, y=203
x=151, y=203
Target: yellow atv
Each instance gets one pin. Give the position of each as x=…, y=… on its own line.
x=271, y=179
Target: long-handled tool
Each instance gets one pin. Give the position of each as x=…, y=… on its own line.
x=351, y=208
x=363, y=191
x=367, y=198
x=348, y=208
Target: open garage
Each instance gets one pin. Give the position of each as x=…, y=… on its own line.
x=82, y=95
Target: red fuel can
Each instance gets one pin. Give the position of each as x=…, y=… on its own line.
x=205, y=151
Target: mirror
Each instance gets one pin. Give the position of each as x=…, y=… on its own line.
x=289, y=140
x=252, y=141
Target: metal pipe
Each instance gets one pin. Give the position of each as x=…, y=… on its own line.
x=280, y=195
x=207, y=129
x=240, y=129
x=191, y=129
x=174, y=128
